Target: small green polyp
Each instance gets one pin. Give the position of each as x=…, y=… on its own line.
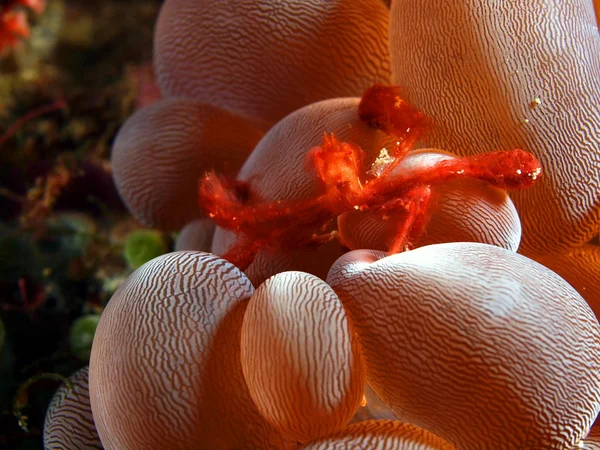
x=81, y=336
x=143, y=245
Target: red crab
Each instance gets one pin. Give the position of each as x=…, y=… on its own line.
x=13, y=22
x=339, y=167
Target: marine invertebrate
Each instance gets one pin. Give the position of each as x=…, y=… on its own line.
x=462, y=210
x=69, y=423
x=580, y=266
x=468, y=333
x=457, y=322
x=278, y=172
x=388, y=434
x=165, y=369
x=300, y=356
x=592, y=440
x=162, y=150
x=295, y=52
x=524, y=75
x=338, y=166
x=196, y=235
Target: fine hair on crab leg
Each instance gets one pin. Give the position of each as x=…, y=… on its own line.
x=410, y=229
x=269, y=219
x=383, y=108
x=280, y=224
x=338, y=167
x=242, y=254
x=510, y=169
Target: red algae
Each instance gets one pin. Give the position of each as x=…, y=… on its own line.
x=339, y=167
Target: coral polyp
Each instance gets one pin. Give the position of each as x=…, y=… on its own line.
x=13, y=22
x=346, y=186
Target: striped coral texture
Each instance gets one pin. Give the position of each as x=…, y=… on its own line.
x=519, y=74
x=69, y=424
x=477, y=344
x=300, y=357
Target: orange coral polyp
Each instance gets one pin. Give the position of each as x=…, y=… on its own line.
x=13, y=27
x=13, y=24
x=35, y=5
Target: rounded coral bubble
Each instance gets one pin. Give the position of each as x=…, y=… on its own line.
x=163, y=149
x=69, y=423
x=300, y=356
x=196, y=235
x=481, y=346
x=581, y=268
x=165, y=369
x=264, y=59
x=520, y=74
x=380, y=434
x=592, y=440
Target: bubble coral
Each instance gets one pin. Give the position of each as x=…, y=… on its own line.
x=287, y=177
x=520, y=74
x=592, y=440
x=385, y=434
x=69, y=423
x=581, y=268
x=162, y=150
x=337, y=167
x=479, y=345
x=165, y=369
x=196, y=235
x=459, y=211
x=300, y=356
x=482, y=346
x=264, y=59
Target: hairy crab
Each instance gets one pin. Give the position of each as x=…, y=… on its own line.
x=338, y=165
